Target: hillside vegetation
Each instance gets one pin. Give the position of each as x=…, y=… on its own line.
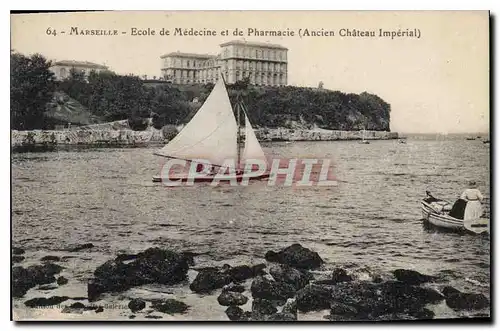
x=38, y=101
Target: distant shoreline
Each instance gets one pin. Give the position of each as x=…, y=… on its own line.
x=48, y=139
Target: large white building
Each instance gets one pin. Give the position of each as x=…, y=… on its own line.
x=61, y=69
x=263, y=63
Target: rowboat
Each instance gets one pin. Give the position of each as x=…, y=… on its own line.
x=436, y=212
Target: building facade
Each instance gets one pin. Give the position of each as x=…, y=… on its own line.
x=264, y=64
x=62, y=69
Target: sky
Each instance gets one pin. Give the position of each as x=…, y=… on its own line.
x=438, y=83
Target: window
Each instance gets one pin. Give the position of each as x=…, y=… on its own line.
x=188, y=63
x=63, y=72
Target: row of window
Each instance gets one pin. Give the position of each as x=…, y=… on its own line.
x=253, y=65
x=256, y=53
x=213, y=80
x=213, y=73
x=185, y=63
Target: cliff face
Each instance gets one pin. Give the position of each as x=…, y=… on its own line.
x=155, y=137
x=282, y=134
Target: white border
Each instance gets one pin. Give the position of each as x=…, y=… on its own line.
x=194, y=5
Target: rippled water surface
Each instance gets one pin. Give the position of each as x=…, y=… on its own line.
x=370, y=220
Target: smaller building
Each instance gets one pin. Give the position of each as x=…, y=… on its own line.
x=62, y=69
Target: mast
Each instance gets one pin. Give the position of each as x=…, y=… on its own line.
x=238, y=137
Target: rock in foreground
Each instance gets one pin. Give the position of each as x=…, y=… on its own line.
x=152, y=266
x=264, y=288
x=136, y=305
x=43, y=302
x=412, y=277
x=296, y=256
x=464, y=301
x=209, y=279
x=25, y=278
x=227, y=298
x=170, y=306
x=284, y=273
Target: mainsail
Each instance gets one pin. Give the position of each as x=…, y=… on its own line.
x=211, y=133
x=252, y=150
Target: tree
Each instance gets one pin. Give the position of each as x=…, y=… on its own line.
x=32, y=85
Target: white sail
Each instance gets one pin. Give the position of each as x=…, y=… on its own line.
x=252, y=150
x=211, y=133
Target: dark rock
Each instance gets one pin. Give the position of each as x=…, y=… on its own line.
x=99, y=310
x=17, y=258
x=290, y=307
x=314, y=297
x=156, y=317
x=189, y=256
x=262, y=307
x=234, y=313
x=339, y=275
x=208, y=280
x=51, y=258
x=412, y=277
x=271, y=290
x=458, y=300
x=47, y=287
x=170, y=306
x=62, y=280
x=406, y=294
x=240, y=273
x=131, y=317
x=380, y=301
x=80, y=247
x=282, y=317
x=449, y=290
x=42, y=302
x=151, y=266
x=136, y=305
x=424, y=314
x=284, y=273
x=231, y=299
x=258, y=269
x=234, y=288
x=17, y=251
x=296, y=256
x=337, y=308
x=25, y=278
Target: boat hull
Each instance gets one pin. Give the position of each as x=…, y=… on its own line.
x=436, y=215
x=446, y=221
x=428, y=208
x=209, y=178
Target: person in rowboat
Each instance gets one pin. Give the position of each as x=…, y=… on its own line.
x=473, y=196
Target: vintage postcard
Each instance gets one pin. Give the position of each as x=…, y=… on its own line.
x=250, y=166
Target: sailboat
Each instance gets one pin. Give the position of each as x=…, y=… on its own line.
x=364, y=141
x=214, y=136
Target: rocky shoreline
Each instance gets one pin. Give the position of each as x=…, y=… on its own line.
x=130, y=138
x=288, y=286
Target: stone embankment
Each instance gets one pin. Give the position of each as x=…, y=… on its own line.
x=127, y=137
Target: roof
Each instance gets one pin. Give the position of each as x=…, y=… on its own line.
x=252, y=43
x=193, y=55
x=80, y=64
